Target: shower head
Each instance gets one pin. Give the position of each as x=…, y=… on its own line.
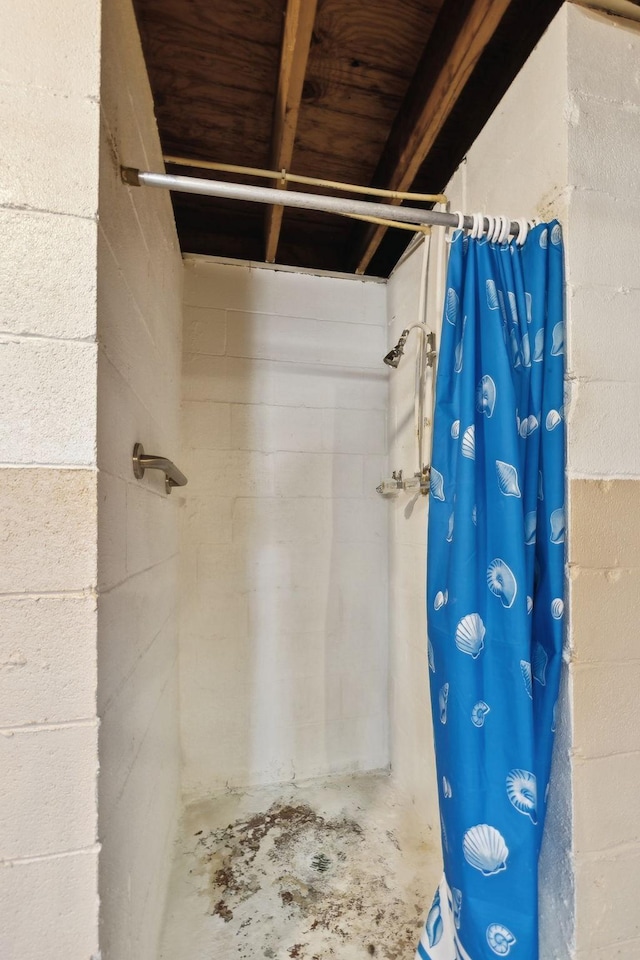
x=392, y=359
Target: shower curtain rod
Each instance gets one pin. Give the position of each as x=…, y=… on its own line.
x=343, y=206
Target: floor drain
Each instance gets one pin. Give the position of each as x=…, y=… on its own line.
x=320, y=862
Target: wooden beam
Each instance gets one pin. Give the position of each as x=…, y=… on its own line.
x=428, y=104
x=296, y=41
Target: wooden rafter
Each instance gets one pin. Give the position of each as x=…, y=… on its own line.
x=296, y=41
x=427, y=106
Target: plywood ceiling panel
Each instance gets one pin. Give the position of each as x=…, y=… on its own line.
x=367, y=68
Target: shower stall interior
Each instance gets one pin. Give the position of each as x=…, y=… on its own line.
x=295, y=840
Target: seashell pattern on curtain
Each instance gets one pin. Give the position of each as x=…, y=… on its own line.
x=495, y=588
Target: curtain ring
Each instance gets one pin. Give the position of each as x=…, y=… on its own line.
x=460, y=225
x=506, y=229
x=497, y=229
x=481, y=226
x=491, y=222
x=476, y=233
x=523, y=232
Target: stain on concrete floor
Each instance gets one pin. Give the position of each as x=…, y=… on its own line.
x=334, y=868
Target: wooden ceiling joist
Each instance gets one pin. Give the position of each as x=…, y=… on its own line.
x=296, y=41
x=427, y=106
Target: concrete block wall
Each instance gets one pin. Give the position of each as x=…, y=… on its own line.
x=283, y=647
x=139, y=332
x=603, y=287
x=49, y=115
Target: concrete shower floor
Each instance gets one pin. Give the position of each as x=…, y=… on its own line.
x=338, y=867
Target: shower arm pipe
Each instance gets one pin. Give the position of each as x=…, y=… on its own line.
x=284, y=176
x=290, y=198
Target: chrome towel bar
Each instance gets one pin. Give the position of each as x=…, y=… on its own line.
x=145, y=461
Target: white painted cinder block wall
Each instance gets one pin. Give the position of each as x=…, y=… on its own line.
x=139, y=333
x=283, y=647
x=603, y=289
x=49, y=117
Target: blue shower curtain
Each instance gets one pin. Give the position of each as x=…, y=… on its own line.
x=495, y=588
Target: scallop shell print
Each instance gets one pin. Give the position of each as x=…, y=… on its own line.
x=479, y=712
x=443, y=698
x=474, y=515
x=527, y=426
x=470, y=635
x=513, y=306
x=525, y=350
x=529, y=604
x=451, y=306
x=468, y=444
x=529, y=305
x=455, y=429
x=457, y=906
x=430, y=657
x=486, y=395
x=443, y=833
x=538, y=347
x=554, y=418
x=525, y=668
x=436, y=485
x=557, y=608
x=440, y=599
x=500, y=939
x=446, y=789
x=557, y=526
x=492, y=295
x=515, y=349
x=539, y=662
x=501, y=582
x=522, y=791
x=556, y=234
x=434, y=925
x=503, y=312
x=459, y=351
x=530, y=524
x=450, y=528
x=507, y=479
x=484, y=848
x=544, y=239
x=557, y=340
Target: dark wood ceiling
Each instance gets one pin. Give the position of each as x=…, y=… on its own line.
x=363, y=91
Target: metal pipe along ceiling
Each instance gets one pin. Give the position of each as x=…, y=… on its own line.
x=310, y=201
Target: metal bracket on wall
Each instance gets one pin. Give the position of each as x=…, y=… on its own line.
x=144, y=461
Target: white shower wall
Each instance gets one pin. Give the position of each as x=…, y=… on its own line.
x=139, y=301
x=283, y=659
